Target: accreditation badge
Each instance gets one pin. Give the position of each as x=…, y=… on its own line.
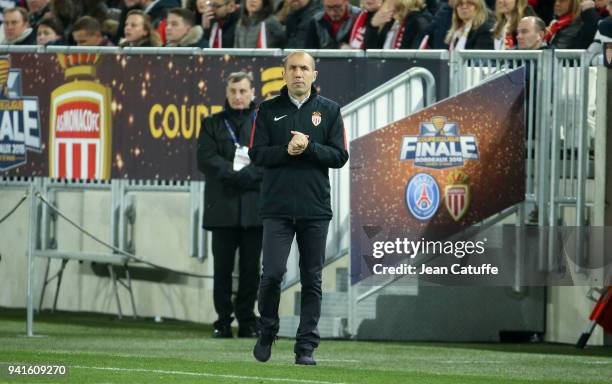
x=241, y=157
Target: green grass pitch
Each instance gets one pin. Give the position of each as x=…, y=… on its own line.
x=99, y=349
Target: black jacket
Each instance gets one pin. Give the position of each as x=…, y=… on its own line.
x=298, y=22
x=298, y=186
x=230, y=197
x=415, y=28
x=579, y=34
x=482, y=37
x=319, y=31
x=439, y=26
x=228, y=28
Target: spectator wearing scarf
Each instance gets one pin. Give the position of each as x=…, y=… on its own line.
x=404, y=24
x=330, y=29
x=258, y=27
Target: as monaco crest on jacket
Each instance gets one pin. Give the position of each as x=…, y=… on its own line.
x=316, y=118
x=80, y=123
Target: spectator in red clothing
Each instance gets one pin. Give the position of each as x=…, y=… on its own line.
x=330, y=29
x=219, y=21
x=574, y=25
x=399, y=24
x=362, y=22
x=603, y=8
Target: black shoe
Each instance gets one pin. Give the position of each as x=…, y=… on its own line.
x=263, y=348
x=224, y=332
x=305, y=359
x=249, y=331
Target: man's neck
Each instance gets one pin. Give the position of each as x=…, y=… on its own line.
x=300, y=98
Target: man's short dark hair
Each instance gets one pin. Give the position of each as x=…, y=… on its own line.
x=235, y=77
x=54, y=23
x=187, y=15
x=24, y=13
x=87, y=23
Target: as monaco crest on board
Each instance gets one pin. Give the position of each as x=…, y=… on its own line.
x=316, y=118
x=80, y=134
x=457, y=195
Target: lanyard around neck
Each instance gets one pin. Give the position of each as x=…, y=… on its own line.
x=228, y=126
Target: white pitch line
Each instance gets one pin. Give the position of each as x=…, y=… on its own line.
x=205, y=374
x=339, y=361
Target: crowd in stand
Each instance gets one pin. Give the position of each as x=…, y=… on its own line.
x=310, y=24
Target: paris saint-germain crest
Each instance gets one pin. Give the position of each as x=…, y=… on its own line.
x=422, y=196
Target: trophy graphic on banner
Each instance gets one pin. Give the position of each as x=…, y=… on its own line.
x=80, y=136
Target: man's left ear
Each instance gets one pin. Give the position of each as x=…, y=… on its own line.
x=315, y=76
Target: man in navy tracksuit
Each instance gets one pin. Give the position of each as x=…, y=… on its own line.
x=297, y=137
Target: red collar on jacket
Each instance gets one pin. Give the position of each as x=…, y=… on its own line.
x=335, y=25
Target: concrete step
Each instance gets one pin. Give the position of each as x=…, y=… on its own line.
x=329, y=327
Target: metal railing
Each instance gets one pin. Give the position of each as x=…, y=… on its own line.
x=558, y=142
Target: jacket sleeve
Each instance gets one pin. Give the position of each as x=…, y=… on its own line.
x=312, y=38
x=210, y=162
x=414, y=31
x=333, y=153
x=587, y=30
x=564, y=38
x=276, y=33
x=375, y=37
x=483, y=38
x=261, y=152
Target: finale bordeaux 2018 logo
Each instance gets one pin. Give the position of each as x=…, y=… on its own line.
x=19, y=119
x=438, y=146
x=80, y=121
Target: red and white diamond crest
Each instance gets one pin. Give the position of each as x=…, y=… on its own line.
x=316, y=118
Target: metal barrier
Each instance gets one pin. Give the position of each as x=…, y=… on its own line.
x=558, y=142
x=557, y=148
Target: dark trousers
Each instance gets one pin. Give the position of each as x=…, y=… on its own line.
x=224, y=244
x=311, y=236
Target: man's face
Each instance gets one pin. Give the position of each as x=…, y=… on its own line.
x=372, y=5
x=222, y=8
x=176, y=28
x=527, y=35
x=294, y=5
x=299, y=74
x=601, y=3
x=335, y=9
x=14, y=25
x=239, y=94
x=85, y=38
